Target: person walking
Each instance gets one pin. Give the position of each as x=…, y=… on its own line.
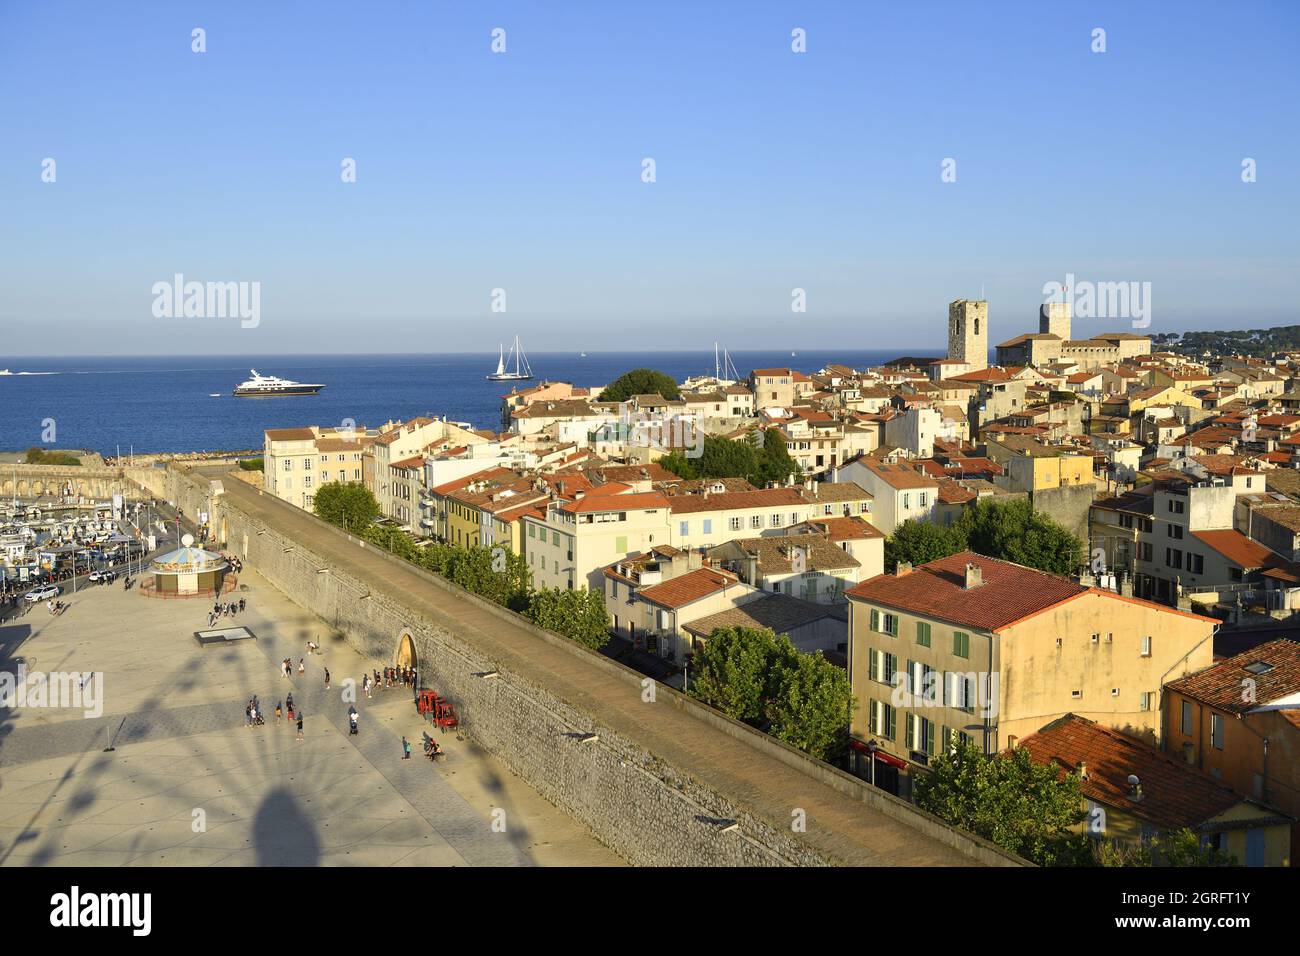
x=302, y=666
x=365, y=684
x=279, y=711
x=406, y=749
x=327, y=678
x=248, y=715
x=300, y=726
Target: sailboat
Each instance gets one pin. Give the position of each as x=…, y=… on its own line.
x=522, y=370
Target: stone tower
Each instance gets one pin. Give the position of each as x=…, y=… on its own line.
x=968, y=332
x=1054, y=318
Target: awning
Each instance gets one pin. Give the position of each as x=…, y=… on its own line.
x=883, y=757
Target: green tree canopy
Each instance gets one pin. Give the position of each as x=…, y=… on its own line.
x=640, y=381
x=725, y=458
x=755, y=676
x=730, y=671
x=578, y=614
x=39, y=456
x=1023, y=806
x=349, y=505
x=809, y=702
x=1008, y=530
x=920, y=542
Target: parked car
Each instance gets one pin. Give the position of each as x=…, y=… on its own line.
x=44, y=593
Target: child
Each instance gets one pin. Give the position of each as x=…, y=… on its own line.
x=279, y=712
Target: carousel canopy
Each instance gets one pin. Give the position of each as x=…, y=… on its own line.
x=188, y=560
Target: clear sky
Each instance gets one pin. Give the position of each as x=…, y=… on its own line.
x=523, y=170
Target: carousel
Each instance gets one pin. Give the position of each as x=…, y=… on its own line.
x=189, y=572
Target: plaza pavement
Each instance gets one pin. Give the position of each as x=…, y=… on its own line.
x=187, y=783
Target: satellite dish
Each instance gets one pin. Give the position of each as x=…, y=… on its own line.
x=187, y=541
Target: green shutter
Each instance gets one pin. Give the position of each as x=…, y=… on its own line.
x=961, y=644
x=893, y=626
x=875, y=619
x=923, y=633
x=893, y=723
x=874, y=667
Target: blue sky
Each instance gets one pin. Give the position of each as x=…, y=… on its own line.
x=522, y=170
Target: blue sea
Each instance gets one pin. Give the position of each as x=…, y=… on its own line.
x=161, y=404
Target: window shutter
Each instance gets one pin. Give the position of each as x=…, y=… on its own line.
x=875, y=619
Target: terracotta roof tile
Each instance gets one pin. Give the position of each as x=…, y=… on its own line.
x=1221, y=685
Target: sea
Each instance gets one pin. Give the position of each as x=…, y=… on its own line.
x=184, y=404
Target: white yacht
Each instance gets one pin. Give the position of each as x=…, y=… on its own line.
x=268, y=386
x=522, y=370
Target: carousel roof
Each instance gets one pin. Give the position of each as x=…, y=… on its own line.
x=188, y=560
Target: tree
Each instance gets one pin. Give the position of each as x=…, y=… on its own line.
x=252, y=464
x=640, y=381
x=775, y=463
x=1173, y=848
x=809, y=702
x=1014, y=531
x=730, y=671
x=350, y=505
x=1007, y=530
x=578, y=614
x=39, y=456
x=920, y=542
x=1023, y=806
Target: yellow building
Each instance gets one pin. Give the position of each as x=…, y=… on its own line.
x=975, y=647
x=1133, y=792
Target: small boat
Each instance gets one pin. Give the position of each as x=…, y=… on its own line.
x=214, y=394
x=5, y=371
x=522, y=370
x=582, y=355
x=268, y=386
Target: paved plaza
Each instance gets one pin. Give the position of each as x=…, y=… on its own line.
x=188, y=783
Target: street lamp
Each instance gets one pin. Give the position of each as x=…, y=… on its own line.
x=872, y=746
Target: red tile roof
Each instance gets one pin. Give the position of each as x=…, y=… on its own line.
x=1221, y=685
x=763, y=498
x=1009, y=591
x=1173, y=794
x=687, y=588
x=635, y=502
x=1238, y=548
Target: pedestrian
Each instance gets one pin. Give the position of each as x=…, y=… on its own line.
x=289, y=702
x=327, y=678
x=248, y=715
x=241, y=604
x=365, y=684
x=302, y=667
x=406, y=749
x=279, y=711
x=300, y=726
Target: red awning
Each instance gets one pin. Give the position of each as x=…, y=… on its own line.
x=883, y=757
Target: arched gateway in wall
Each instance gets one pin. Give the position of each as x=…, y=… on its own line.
x=405, y=656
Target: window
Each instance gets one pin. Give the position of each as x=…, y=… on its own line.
x=1146, y=646
x=684, y=529
x=288, y=464
x=555, y=538
x=920, y=734
x=776, y=521
x=756, y=521
x=961, y=644
x=907, y=501
x=1185, y=721
x=882, y=667
x=923, y=633
x=1195, y=563
x=708, y=526
x=1216, y=731
x=735, y=524
x=921, y=499
x=1174, y=531
x=1174, y=558
x=884, y=720
x=1076, y=694
x=532, y=531
x=1144, y=551
x=306, y=464
x=1145, y=700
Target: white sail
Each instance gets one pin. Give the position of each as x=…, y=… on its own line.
x=501, y=360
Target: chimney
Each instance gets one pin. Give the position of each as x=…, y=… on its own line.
x=1013, y=741
x=904, y=568
x=1083, y=769
x=1135, y=787
x=974, y=576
